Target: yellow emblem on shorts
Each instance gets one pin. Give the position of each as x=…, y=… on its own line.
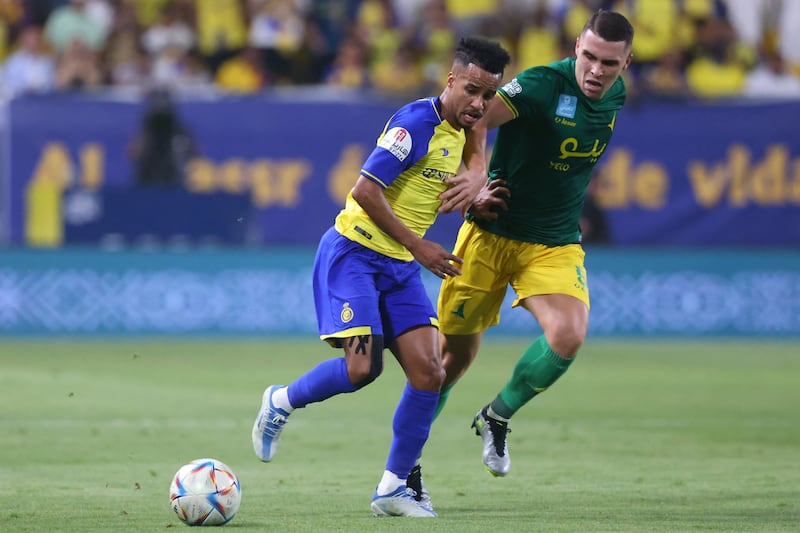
x=347, y=313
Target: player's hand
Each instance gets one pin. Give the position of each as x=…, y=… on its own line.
x=436, y=259
x=462, y=191
x=491, y=197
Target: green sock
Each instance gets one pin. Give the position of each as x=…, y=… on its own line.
x=443, y=395
x=537, y=369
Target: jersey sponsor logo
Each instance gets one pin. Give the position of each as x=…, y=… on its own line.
x=567, y=105
x=347, y=313
x=398, y=142
x=441, y=175
x=512, y=88
x=569, y=148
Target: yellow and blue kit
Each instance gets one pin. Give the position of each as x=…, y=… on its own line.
x=416, y=151
x=365, y=282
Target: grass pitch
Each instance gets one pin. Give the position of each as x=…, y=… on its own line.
x=637, y=436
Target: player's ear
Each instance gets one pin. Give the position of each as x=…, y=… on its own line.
x=628, y=61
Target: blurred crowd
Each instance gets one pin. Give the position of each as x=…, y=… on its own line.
x=682, y=48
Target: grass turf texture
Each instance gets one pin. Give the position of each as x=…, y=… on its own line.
x=638, y=436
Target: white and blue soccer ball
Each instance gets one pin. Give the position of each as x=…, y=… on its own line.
x=205, y=492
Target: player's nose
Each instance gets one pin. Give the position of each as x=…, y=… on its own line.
x=477, y=102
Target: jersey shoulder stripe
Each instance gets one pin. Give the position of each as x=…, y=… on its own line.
x=507, y=101
x=374, y=178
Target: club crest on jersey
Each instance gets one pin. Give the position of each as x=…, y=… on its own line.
x=567, y=105
x=398, y=142
x=347, y=313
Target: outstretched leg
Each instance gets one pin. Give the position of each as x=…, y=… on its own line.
x=361, y=365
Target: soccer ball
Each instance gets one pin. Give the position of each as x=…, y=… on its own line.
x=205, y=492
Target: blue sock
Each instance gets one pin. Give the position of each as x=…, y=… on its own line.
x=327, y=379
x=411, y=426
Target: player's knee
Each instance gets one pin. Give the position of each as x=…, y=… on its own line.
x=566, y=338
x=429, y=376
x=367, y=373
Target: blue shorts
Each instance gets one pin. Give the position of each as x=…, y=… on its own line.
x=358, y=291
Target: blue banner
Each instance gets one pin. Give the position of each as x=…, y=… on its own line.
x=704, y=175
x=682, y=174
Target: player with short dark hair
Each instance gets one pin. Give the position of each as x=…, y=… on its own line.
x=523, y=230
x=368, y=288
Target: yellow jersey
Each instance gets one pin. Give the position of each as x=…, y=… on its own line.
x=416, y=151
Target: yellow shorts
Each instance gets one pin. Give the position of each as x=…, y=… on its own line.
x=470, y=303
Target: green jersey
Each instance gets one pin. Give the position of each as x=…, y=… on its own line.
x=548, y=151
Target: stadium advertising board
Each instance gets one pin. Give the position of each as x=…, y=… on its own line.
x=680, y=174
x=268, y=292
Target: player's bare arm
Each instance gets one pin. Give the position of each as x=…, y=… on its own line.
x=464, y=187
x=429, y=254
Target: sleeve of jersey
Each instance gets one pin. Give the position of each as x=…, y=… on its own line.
x=526, y=94
x=403, y=142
